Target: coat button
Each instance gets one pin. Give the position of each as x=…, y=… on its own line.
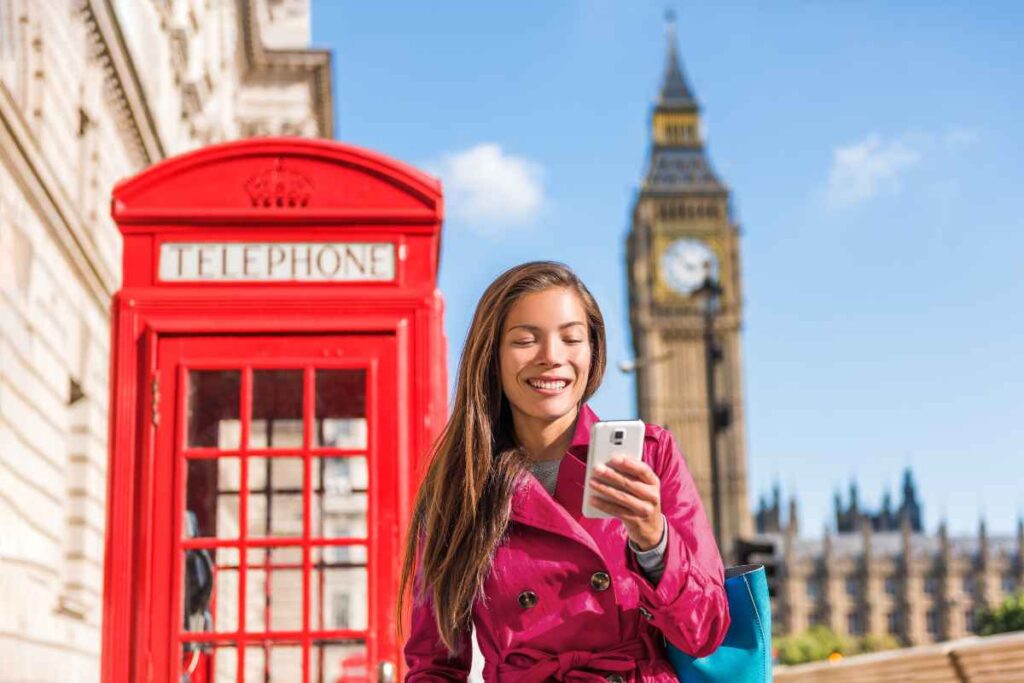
x=645, y=614
x=600, y=581
x=527, y=599
x=614, y=678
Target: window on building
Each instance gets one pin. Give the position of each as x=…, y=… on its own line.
x=969, y=619
x=854, y=624
x=852, y=586
x=970, y=585
x=892, y=585
x=813, y=589
x=931, y=619
x=341, y=605
x=931, y=585
x=1009, y=583
x=895, y=620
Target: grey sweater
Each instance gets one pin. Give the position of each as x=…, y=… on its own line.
x=651, y=561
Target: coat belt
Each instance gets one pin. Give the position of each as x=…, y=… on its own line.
x=529, y=665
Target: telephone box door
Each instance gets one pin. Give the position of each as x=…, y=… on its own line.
x=274, y=530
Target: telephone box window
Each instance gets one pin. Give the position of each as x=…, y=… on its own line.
x=276, y=409
x=340, y=504
x=341, y=661
x=213, y=400
x=341, y=409
x=212, y=496
x=275, y=496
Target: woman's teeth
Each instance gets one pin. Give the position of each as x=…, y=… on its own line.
x=560, y=384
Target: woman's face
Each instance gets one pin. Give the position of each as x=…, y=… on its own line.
x=545, y=353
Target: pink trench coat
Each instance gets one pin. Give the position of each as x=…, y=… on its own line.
x=566, y=599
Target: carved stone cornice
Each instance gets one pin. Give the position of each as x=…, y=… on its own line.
x=42, y=189
x=122, y=79
x=311, y=64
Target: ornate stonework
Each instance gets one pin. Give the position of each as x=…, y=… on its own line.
x=92, y=91
x=681, y=218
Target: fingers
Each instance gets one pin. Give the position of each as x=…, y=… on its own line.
x=620, y=511
x=631, y=483
x=632, y=505
x=636, y=468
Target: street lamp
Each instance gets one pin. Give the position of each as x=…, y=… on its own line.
x=708, y=295
x=628, y=366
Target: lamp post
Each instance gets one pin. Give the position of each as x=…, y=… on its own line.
x=708, y=294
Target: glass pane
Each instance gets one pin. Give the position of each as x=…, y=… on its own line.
x=276, y=409
x=338, y=595
x=284, y=664
x=211, y=498
x=256, y=664
x=275, y=497
x=341, y=408
x=214, y=662
x=274, y=590
x=340, y=662
x=340, y=505
x=209, y=595
x=225, y=590
x=213, y=400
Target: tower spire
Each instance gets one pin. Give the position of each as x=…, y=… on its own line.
x=675, y=91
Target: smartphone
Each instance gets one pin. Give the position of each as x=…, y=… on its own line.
x=609, y=438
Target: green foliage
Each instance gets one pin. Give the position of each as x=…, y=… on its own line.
x=819, y=642
x=877, y=643
x=812, y=645
x=1008, y=616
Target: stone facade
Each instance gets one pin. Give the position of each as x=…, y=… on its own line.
x=92, y=91
x=921, y=589
x=683, y=212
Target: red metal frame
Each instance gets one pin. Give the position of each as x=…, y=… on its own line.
x=374, y=354
x=161, y=330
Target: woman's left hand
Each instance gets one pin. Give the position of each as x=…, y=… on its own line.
x=631, y=491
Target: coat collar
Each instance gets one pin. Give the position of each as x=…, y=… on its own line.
x=562, y=514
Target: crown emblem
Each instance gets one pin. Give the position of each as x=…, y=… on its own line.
x=279, y=187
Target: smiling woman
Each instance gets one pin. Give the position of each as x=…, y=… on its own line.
x=498, y=540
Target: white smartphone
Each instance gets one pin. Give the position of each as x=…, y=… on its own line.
x=609, y=438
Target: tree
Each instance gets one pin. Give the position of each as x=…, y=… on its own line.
x=1005, y=617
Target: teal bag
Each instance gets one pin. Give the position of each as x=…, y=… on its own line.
x=745, y=655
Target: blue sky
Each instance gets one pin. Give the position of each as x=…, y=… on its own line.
x=874, y=153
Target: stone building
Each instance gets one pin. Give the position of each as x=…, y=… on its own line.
x=683, y=230
x=92, y=91
x=848, y=518
x=915, y=587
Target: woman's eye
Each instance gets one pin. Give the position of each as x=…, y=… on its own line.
x=522, y=342
x=573, y=341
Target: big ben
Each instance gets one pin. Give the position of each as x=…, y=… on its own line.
x=683, y=245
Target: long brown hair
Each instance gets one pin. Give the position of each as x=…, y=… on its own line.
x=462, y=507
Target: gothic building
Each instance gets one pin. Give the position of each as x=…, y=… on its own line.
x=92, y=91
x=848, y=518
x=902, y=582
x=689, y=366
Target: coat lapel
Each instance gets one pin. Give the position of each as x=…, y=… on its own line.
x=562, y=514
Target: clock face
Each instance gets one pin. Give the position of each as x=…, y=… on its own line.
x=685, y=263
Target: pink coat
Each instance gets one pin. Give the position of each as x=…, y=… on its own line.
x=566, y=599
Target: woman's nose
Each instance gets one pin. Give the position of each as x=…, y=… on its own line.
x=552, y=351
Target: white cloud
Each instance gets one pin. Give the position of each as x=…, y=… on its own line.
x=862, y=170
x=959, y=138
x=490, y=189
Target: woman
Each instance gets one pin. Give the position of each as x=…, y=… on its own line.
x=498, y=540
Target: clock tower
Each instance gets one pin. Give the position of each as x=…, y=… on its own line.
x=682, y=230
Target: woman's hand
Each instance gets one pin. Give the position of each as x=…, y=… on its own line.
x=630, y=490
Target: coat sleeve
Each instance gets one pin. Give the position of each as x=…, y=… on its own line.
x=426, y=656
x=688, y=604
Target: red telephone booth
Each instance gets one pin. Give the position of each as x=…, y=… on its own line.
x=278, y=369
